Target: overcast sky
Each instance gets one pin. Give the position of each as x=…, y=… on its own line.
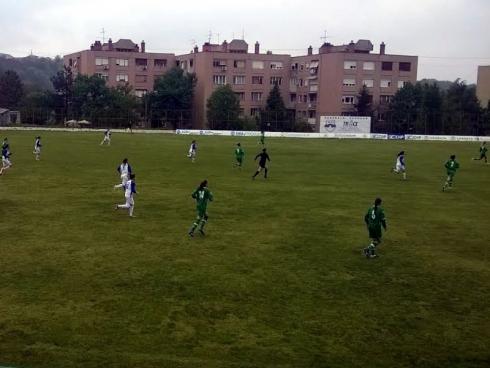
x=451, y=37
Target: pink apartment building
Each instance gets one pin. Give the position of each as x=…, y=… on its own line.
x=325, y=83
x=120, y=62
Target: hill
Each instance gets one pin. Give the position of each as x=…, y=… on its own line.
x=34, y=71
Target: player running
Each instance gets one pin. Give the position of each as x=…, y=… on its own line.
x=400, y=165
x=124, y=169
x=451, y=166
x=262, y=137
x=239, y=154
x=483, y=153
x=37, y=148
x=130, y=190
x=264, y=157
x=6, y=164
x=202, y=195
x=5, y=143
x=107, y=138
x=374, y=219
x=192, y=151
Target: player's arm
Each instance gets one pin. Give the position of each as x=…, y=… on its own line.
x=119, y=169
x=129, y=169
x=366, y=218
x=256, y=157
x=194, y=194
x=268, y=158
x=210, y=196
x=133, y=188
x=383, y=220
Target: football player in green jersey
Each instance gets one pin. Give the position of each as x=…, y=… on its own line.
x=202, y=195
x=262, y=137
x=374, y=219
x=483, y=153
x=239, y=153
x=451, y=166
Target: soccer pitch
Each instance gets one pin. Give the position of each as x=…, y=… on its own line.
x=279, y=279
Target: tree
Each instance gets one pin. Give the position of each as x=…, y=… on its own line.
x=275, y=115
x=223, y=109
x=11, y=90
x=172, y=96
x=364, y=102
x=406, y=106
x=462, y=111
x=62, y=97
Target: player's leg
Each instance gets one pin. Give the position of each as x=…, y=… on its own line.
x=195, y=224
x=126, y=205
x=257, y=172
x=131, y=206
x=204, y=220
x=404, y=173
x=265, y=172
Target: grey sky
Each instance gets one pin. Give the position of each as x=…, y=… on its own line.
x=450, y=37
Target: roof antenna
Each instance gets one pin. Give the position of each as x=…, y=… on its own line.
x=210, y=34
x=243, y=34
x=103, y=35
x=324, y=37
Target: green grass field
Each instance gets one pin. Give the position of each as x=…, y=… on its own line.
x=279, y=280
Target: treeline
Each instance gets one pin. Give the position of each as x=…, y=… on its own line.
x=425, y=108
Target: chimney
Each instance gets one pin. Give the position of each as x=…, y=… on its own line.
x=110, y=44
x=257, y=47
x=310, y=50
x=224, y=46
x=382, y=48
x=143, y=44
x=196, y=49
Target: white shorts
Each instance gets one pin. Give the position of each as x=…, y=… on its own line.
x=192, y=154
x=37, y=151
x=129, y=201
x=400, y=168
x=124, y=179
x=6, y=162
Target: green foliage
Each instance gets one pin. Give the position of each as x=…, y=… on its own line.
x=278, y=281
x=275, y=116
x=172, y=97
x=11, y=90
x=364, y=102
x=223, y=109
x=34, y=72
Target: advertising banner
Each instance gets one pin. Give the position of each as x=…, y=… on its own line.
x=345, y=124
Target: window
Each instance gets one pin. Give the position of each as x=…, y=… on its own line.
x=402, y=84
x=122, y=62
x=254, y=111
x=350, y=65
x=349, y=82
x=368, y=65
x=405, y=67
x=257, y=79
x=140, y=92
x=160, y=63
x=311, y=114
x=219, y=79
x=302, y=66
x=256, y=96
x=239, y=64
x=348, y=100
x=240, y=95
x=104, y=76
x=302, y=98
x=292, y=97
x=300, y=82
x=294, y=66
x=257, y=64
x=140, y=78
x=385, y=99
x=293, y=82
x=276, y=80
x=385, y=83
x=218, y=63
x=276, y=64
x=122, y=78
x=238, y=79
x=386, y=65
x=141, y=62
x=101, y=61
x=312, y=97
x=369, y=83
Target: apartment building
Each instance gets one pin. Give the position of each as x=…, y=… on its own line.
x=483, y=86
x=312, y=85
x=251, y=75
x=120, y=62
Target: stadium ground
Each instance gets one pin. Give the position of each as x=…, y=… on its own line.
x=279, y=280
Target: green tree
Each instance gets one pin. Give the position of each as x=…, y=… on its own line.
x=364, y=102
x=11, y=90
x=172, y=96
x=91, y=99
x=223, y=109
x=405, y=107
x=462, y=111
x=275, y=116
x=431, y=111
x=62, y=97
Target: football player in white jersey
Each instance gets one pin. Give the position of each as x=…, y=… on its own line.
x=37, y=148
x=192, y=151
x=400, y=165
x=107, y=138
x=124, y=169
x=129, y=191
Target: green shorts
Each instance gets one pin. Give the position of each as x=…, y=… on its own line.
x=201, y=212
x=374, y=232
x=239, y=160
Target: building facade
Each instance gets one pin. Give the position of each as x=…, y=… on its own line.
x=483, y=86
x=323, y=83
x=121, y=62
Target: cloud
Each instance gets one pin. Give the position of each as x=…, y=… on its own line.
x=451, y=37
